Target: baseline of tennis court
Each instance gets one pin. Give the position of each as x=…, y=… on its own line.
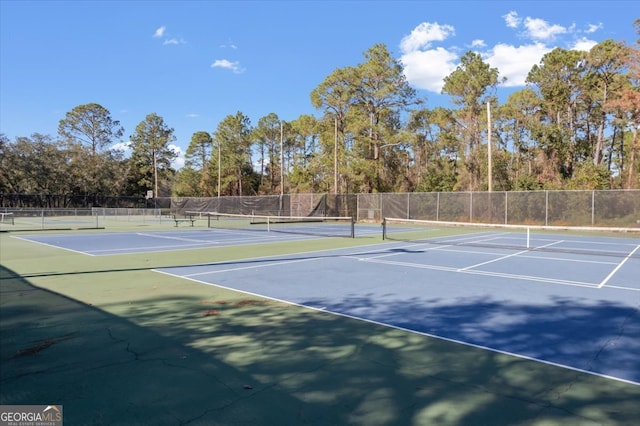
x=575, y=310
x=100, y=244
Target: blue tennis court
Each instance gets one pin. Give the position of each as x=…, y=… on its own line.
x=101, y=244
x=572, y=309
x=567, y=301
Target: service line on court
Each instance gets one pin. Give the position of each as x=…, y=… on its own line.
x=166, y=237
x=242, y=268
x=505, y=257
x=448, y=248
x=206, y=241
x=484, y=273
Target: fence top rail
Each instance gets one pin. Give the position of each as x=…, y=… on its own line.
x=514, y=226
x=48, y=209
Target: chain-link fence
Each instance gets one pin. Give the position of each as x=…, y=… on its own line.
x=64, y=201
x=326, y=205
x=615, y=208
x=610, y=208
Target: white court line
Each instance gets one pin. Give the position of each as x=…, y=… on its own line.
x=262, y=233
x=151, y=249
x=166, y=237
x=435, y=336
x=618, y=267
x=54, y=246
x=397, y=253
x=242, y=268
x=536, y=257
x=621, y=287
x=448, y=249
x=166, y=248
x=193, y=240
x=485, y=273
x=470, y=238
x=429, y=246
x=507, y=256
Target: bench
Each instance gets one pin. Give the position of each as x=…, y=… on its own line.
x=185, y=219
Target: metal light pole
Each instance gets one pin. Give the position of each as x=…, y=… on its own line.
x=219, y=167
x=281, y=159
x=490, y=172
x=335, y=156
x=155, y=180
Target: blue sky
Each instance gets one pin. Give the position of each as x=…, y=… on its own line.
x=195, y=62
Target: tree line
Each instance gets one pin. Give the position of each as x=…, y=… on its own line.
x=574, y=126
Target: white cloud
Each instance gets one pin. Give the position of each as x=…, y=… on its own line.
x=424, y=34
x=193, y=115
x=539, y=29
x=124, y=147
x=427, y=69
x=159, y=32
x=583, y=44
x=230, y=45
x=226, y=64
x=512, y=19
x=162, y=32
x=426, y=64
x=592, y=28
x=177, y=162
x=174, y=41
x=515, y=62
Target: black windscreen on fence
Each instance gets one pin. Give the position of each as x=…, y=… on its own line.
x=612, y=208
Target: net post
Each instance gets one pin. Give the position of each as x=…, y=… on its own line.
x=353, y=227
x=384, y=228
x=528, y=237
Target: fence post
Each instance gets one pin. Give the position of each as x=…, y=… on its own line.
x=506, y=210
x=408, y=204
x=593, y=207
x=546, y=207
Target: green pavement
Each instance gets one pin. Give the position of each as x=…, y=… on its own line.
x=118, y=344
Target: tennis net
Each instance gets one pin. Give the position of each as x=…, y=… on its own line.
x=306, y=225
x=618, y=242
x=37, y=219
